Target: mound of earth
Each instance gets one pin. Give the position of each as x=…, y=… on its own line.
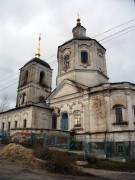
x=17, y=153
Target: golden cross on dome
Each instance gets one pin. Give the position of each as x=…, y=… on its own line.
x=78, y=20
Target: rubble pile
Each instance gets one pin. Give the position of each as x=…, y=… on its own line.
x=16, y=152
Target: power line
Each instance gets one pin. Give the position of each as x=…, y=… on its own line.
x=113, y=28
x=54, y=62
x=10, y=81
x=117, y=32
x=9, y=76
x=8, y=86
x=119, y=35
x=50, y=56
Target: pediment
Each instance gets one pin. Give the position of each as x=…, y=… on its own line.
x=64, y=89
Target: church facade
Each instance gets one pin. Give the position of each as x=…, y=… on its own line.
x=84, y=101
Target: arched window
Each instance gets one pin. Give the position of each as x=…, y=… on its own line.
x=24, y=123
x=23, y=98
x=118, y=114
x=9, y=124
x=64, y=115
x=84, y=57
x=66, y=61
x=64, y=121
x=77, y=119
x=3, y=126
x=25, y=78
x=54, y=122
x=15, y=124
x=42, y=77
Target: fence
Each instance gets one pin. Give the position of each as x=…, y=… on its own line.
x=97, y=147
x=51, y=139
x=4, y=137
x=59, y=139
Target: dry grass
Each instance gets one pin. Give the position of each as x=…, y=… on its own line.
x=58, y=161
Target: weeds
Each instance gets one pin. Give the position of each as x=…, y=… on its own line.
x=129, y=165
x=62, y=162
x=42, y=152
x=57, y=161
x=65, y=162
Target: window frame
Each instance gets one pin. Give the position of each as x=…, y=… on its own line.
x=64, y=120
x=118, y=114
x=42, y=77
x=3, y=126
x=77, y=119
x=54, y=119
x=84, y=57
x=24, y=123
x=25, y=80
x=64, y=115
x=16, y=124
x=9, y=125
x=23, y=98
x=133, y=114
x=66, y=65
x=120, y=148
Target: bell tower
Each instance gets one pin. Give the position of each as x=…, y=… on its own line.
x=35, y=81
x=82, y=59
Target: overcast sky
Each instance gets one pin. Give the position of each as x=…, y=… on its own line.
x=22, y=20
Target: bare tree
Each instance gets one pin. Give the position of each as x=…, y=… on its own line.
x=4, y=103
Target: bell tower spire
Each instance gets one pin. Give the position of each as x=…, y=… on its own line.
x=37, y=55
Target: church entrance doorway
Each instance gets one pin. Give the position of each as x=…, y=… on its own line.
x=64, y=121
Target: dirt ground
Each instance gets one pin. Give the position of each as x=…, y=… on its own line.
x=20, y=171
x=18, y=163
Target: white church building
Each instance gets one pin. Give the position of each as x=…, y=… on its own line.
x=84, y=101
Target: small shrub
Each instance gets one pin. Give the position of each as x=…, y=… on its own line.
x=61, y=163
x=92, y=160
x=42, y=153
x=57, y=161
